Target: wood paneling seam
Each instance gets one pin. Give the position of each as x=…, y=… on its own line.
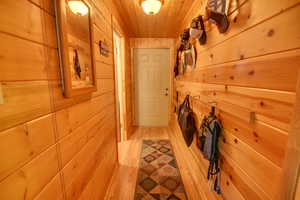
x=245, y=58
x=245, y=174
x=26, y=39
x=43, y=9
x=27, y=162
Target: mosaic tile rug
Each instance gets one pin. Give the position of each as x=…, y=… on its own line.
x=158, y=176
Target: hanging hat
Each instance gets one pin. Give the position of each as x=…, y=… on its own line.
x=197, y=29
x=216, y=10
x=185, y=36
x=195, y=33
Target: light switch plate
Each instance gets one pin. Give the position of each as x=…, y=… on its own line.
x=1, y=95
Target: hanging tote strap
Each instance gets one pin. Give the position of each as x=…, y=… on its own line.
x=217, y=184
x=201, y=137
x=188, y=102
x=184, y=105
x=187, y=122
x=213, y=168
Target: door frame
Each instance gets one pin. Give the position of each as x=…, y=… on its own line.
x=152, y=43
x=120, y=100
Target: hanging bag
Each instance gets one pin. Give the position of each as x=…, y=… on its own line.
x=177, y=63
x=186, y=121
x=202, y=134
x=210, y=131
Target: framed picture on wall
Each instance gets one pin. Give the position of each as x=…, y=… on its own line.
x=75, y=44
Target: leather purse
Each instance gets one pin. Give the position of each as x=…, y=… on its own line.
x=186, y=121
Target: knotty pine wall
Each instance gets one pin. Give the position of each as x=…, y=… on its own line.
x=251, y=68
x=52, y=147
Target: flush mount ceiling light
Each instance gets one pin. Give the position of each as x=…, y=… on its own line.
x=151, y=7
x=78, y=7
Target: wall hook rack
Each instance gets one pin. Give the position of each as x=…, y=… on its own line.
x=213, y=103
x=196, y=97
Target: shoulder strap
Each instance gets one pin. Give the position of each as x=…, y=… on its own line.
x=187, y=100
x=213, y=163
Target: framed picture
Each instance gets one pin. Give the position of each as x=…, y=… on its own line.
x=75, y=44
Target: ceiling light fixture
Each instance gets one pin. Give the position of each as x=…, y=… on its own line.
x=78, y=7
x=151, y=7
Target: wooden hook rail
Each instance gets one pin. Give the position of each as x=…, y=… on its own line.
x=249, y=116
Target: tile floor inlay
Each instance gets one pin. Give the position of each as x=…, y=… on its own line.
x=158, y=176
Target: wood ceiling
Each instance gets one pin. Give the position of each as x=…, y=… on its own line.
x=164, y=24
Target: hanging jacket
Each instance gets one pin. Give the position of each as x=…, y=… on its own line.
x=176, y=67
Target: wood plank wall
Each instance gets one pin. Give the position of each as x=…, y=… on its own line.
x=251, y=68
x=52, y=147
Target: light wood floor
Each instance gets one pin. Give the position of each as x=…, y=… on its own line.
x=124, y=179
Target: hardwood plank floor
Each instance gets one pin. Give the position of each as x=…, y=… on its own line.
x=122, y=186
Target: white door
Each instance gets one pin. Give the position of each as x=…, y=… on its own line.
x=152, y=86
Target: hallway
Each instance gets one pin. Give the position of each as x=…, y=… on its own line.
x=123, y=183
x=108, y=99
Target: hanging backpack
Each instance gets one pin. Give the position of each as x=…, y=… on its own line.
x=210, y=131
x=202, y=134
x=211, y=150
x=186, y=121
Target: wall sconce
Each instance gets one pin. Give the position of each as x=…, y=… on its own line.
x=151, y=7
x=78, y=7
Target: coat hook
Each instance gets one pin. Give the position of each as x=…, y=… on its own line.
x=252, y=117
x=213, y=103
x=196, y=97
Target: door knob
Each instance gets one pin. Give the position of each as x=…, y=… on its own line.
x=166, y=94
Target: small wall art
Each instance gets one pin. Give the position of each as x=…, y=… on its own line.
x=104, y=49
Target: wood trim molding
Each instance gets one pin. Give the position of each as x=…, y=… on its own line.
x=291, y=170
